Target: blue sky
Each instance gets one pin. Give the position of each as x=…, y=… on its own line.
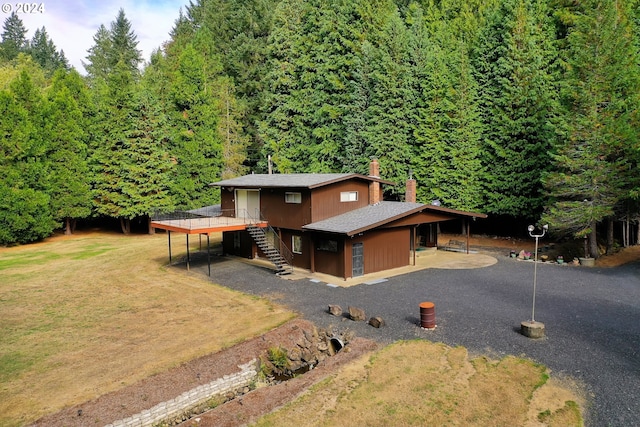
x=71, y=24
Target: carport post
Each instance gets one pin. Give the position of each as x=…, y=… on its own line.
x=187, y=251
x=169, y=235
x=208, y=255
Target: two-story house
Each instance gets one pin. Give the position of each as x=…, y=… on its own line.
x=336, y=224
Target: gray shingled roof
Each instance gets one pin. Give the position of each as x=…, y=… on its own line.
x=290, y=180
x=365, y=218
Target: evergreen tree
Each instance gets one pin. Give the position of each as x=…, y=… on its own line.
x=130, y=162
x=234, y=142
x=513, y=65
x=68, y=171
x=14, y=39
x=25, y=214
x=601, y=93
x=99, y=63
x=43, y=51
x=124, y=44
x=447, y=127
x=376, y=121
x=196, y=145
x=112, y=46
x=313, y=51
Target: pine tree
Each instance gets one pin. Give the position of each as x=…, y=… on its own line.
x=14, y=39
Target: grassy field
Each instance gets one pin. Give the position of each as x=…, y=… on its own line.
x=84, y=315
x=88, y=314
x=419, y=383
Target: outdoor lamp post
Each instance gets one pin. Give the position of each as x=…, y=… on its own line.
x=531, y=328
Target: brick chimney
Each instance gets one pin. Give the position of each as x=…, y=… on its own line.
x=374, y=186
x=410, y=192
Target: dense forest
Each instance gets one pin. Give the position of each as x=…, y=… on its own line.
x=525, y=110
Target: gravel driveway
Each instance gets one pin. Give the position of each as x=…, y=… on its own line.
x=592, y=318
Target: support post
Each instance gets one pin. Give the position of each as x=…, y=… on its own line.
x=208, y=255
x=169, y=235
x=414, y=244
x=468, y=234
x=187, y=251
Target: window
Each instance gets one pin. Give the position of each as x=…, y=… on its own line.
x=292, y=197
x=296, y=244
x=349, y=196
x=328, y=245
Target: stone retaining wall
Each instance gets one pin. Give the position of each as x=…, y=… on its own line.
x=194, y=397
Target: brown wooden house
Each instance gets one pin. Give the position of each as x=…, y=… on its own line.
x=336, y=224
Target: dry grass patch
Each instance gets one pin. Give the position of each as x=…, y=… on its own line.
x=86, y=315
x=417, y=383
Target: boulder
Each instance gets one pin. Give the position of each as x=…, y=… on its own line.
x=357, y=314
x=336, y=310
x=376, y=322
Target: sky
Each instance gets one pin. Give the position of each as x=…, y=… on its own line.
x=71, y=24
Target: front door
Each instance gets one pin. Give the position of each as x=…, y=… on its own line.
x=248, y=204
x=357, y=259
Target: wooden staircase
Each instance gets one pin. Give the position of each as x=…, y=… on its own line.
x=274, y=254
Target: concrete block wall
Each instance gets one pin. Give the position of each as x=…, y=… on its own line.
x=189, y=399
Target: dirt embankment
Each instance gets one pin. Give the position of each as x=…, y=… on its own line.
x=167, y=385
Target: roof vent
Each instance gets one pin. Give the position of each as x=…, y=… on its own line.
x=435, y=202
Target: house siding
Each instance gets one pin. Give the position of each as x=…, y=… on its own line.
x=325, y=201
x=285, y=215
x=385, y=249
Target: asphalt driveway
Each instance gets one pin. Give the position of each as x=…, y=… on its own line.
x=592, y=318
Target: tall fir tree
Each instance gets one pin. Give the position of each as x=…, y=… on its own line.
x=65, y=126
x=196, y=146
x=377, y=117
x=14, y=40
x=513, y=66
x=98, y=63
x=593, y=170
x=447, y=126
x=44, y=52
x=316, y=43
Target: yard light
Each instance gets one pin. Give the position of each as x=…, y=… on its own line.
x=531, y=328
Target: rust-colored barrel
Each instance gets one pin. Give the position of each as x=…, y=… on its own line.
x=427, y=315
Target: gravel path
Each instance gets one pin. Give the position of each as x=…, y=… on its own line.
x=592, y=318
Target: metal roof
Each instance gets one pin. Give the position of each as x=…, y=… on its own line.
x=292, y=180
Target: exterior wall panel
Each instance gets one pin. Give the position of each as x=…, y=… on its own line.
x=385, y=249
x=329, y=262
x=325, y=201
x=282, y=214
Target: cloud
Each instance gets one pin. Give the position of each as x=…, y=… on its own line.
x=71, y=24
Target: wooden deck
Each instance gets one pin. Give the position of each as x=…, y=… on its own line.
x=206, y=225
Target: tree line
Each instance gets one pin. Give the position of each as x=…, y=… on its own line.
x=523, y=109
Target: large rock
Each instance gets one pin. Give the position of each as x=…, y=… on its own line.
x=376, y=322
x=336, y=310
x=357, y=314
